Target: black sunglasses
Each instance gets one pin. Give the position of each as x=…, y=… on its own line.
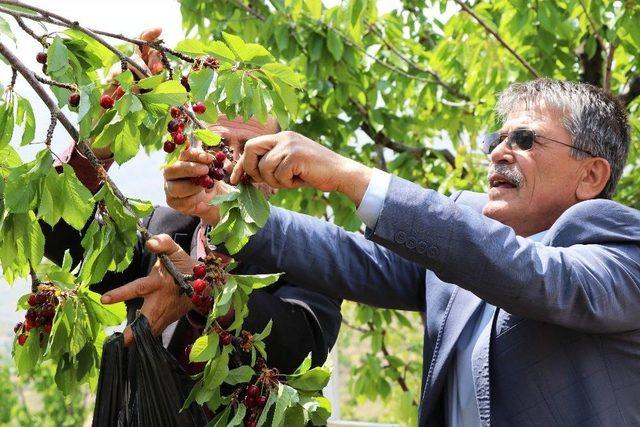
x=522, y=138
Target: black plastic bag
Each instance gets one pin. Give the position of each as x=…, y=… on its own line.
x=142, y=385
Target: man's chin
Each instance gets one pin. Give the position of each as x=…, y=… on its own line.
x=497, y=209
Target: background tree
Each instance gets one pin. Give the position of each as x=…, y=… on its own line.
x=412, y=92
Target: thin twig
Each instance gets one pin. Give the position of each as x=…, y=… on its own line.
x=47, y=81
x=53, y=18
x=596, y=33
x=607, y=73
x=500, y=40
x=25, y=27
x=84, y=148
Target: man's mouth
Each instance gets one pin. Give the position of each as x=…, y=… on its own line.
x=500, y=181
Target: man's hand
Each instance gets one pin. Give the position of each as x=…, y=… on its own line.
x=185, y=196
x=290, y=160
x=163, y=304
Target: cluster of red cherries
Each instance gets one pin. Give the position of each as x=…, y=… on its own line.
x=42, y=310
x=177, y=124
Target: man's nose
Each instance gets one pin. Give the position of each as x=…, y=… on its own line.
x=503, y=153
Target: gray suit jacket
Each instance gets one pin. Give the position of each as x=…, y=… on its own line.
x=564, y=348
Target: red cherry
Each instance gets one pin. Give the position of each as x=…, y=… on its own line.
x=195, y=299
x=22, y=338
x=47, y=327
x=253, y=390
x=17, y=327
x=226, y=338
x=169, y=147
x=227, y=319
x=74, y=99
x=217, y=174
x=220, y=156
x=41, y=57
x=261, y=401
x=199, y=286
x=250, y=402
x=207, y=182
x=175, y=112
x=173, y=125
x=199, y=108
x=178, y=138
x=106, y=102
x=118, y=93
x=30, y=324
x=199, y=271
x=251, y=424
x=33, y=300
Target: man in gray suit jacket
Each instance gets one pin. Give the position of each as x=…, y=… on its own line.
x=532, y=307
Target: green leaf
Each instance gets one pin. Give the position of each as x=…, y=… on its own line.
x=220, y=50
x=57, y=56
x=313, y=380
x=192, y=47
x=265, y=411
x=25, y=112
x=26, y=356
x=282, y=72
x=254, y=203
x=207, y=137
x=286, y=397
x=334, y=44
x=170, y=92
x=232, y=195
x=6, y=123
x=238, y=417
x=242, y=374
x=151, y=82
x=256, y=281
x=216, y=370
x=204, y=348
x=265, y=332
x=76, y=208
x=199, y=82
x=6, y=29
x=126, y=80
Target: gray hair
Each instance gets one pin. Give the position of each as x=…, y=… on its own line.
x=596, y=121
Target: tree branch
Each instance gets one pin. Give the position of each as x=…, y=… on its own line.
x=500, y=40
x=84, y=148
x=632, y=92
x=607, y=73
x=382, y=139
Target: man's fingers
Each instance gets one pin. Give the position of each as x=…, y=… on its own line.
x=180, y=188
x=237, y=172
x=155, y=62
x=196, y=155
x=268, y=165
x=151, y=34
x=162, y=243
x=286, y=175
x=182, y=169
x=136, y=289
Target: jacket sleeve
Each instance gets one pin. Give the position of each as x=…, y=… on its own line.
x=589, y=280
x=323, y=257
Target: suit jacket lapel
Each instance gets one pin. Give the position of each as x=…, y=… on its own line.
x=462, y=305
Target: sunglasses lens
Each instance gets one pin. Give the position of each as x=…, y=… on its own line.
x=523, y=138
x=490, y=142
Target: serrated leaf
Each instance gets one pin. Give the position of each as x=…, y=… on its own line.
x=334, y=44
x=199, y=82
x=207, y=137
x=151, y=82
x=204, y=348
x=76, y=205
x=254, y=203
x=57, y=56
x=282, y=72
x=256, y=281
x=238, y=417
x=25, y=112
x=239, y=375
x=170, y=92
x=313, y=380
x=286, y=397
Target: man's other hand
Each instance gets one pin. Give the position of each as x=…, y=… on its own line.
x=290, y=160
x=163, y=304
x=183, y=194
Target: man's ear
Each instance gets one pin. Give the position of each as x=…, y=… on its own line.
x=595, y=174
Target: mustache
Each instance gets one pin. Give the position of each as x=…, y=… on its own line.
x=510, y=172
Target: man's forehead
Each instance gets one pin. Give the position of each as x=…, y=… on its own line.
x=241, y=129
x=534, y=117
